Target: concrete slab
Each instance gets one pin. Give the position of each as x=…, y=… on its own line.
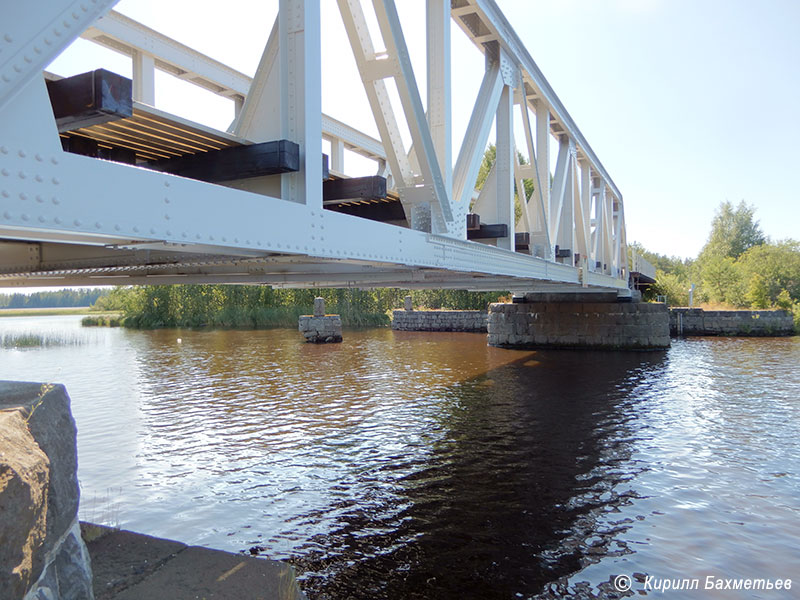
x=132, y=566
x=121, y=559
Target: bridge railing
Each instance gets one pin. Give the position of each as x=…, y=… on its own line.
x=642, y=266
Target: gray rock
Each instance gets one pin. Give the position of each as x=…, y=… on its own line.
x=56, y=563
x=23, y=505
x=73, y=568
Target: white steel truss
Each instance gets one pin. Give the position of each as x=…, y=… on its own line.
x=68, y=219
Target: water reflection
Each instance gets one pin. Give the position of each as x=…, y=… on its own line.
x=416, y=465
x=525, y=459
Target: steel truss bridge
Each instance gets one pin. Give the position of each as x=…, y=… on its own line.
x=99, y=187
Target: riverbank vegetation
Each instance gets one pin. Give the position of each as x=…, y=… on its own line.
x=67, y=298
x=20, y=340
x=262, y=307
x=739, y=267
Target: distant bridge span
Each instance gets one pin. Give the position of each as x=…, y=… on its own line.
x=99, y=187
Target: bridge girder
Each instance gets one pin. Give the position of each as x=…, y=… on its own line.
x=68, y=219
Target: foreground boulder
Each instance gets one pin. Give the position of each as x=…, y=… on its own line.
x=42, y=555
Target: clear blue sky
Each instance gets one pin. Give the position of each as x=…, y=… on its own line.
x=688, y=103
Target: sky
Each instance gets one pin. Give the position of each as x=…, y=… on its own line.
x=687, y=103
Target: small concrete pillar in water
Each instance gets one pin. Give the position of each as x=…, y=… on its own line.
x=407, y=303
x=320, y=328
x=319, y=307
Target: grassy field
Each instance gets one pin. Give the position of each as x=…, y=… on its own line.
x=39, y=312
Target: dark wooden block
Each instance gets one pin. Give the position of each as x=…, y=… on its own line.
x=375, y=211
x=90, y=98
x=473, y=222
x=499, y=230
x=78, y=144
x=237, y=162
x=372, y=187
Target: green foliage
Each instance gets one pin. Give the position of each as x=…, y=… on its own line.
x=784, y=300
x=102, y=321
x=733, y=232
x=779, y=266
x=673, y=287
x=722, y=281
x=56, y=299
x=27, y=339
x=757, y=294
x=261, y=307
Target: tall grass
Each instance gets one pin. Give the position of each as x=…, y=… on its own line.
x=102, y=321
x=28, y=339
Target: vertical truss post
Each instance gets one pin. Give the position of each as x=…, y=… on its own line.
x=337, y=155
x=557, y=194
x=543, y=167
x=504, y=166
x=598, y=237
x=301, y=98
x=617, y=236
x=439, y=96
x=144, y=78
x=566, y=230
x=608, y=229
x=583, y=204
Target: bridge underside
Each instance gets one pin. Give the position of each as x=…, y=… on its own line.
x=121, y=193
x=85, y=265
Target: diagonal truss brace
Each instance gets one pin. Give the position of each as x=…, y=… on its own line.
x=374, y=68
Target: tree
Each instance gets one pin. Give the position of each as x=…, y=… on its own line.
x=722, y=281
x=778, y=265
x=733, y=232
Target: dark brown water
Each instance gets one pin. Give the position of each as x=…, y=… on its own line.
x=418, y=465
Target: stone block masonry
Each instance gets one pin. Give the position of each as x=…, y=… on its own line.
x=42, y=555
x=590, y=325
x=439, y=320
x=746, y=323
x=320, y=328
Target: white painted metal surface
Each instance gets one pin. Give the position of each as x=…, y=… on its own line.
x=67, y=219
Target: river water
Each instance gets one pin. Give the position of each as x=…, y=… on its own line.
x=428, y=465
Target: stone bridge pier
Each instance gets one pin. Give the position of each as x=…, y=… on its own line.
x=586, y=320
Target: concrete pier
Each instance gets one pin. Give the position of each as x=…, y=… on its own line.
x=563, y=321
x=320, y=328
